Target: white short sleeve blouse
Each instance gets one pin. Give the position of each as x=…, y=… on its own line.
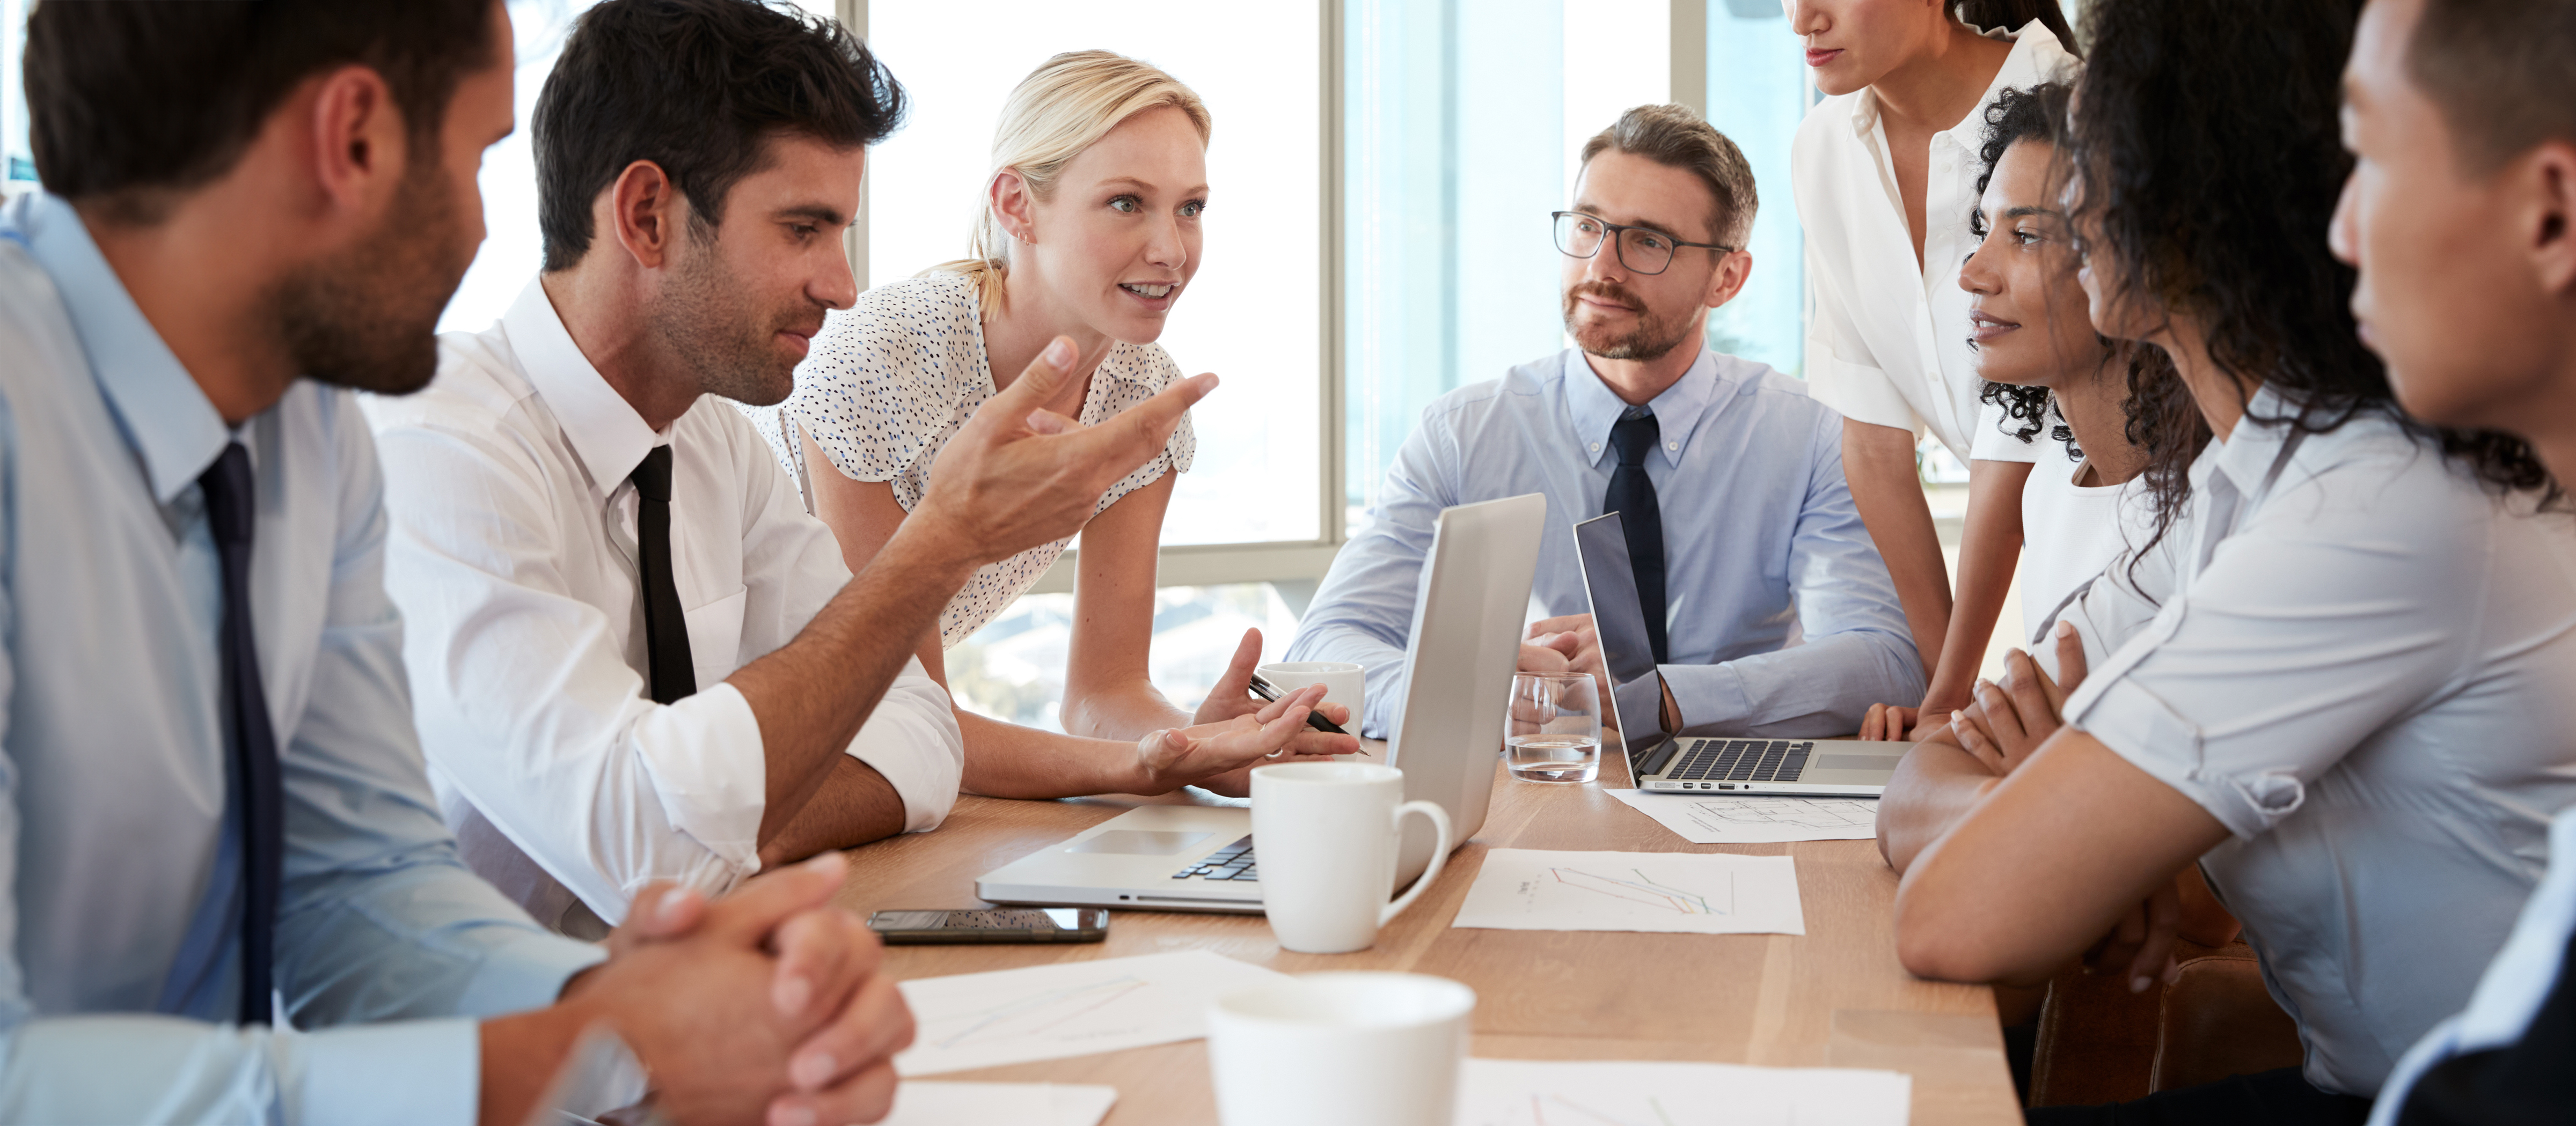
x=894, y=376
x=1887, y=341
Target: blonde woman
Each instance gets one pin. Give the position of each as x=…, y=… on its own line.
x=1089, y=229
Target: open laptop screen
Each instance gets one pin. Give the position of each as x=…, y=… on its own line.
x=1637, y=694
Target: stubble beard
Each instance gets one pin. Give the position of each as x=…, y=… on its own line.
x=1652, y=339
x=713, y=326
x=366, y=317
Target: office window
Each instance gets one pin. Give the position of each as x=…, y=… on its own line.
x=1013, y=668
x=1251, y=313
x=1453, y=154
x=17, y=164
x=1758, y=92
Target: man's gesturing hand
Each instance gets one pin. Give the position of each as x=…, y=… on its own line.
x=1018, y=475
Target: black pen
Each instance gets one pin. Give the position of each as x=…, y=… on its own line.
x=1262, y=687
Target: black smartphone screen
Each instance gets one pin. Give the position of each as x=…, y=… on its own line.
x=1000, y=924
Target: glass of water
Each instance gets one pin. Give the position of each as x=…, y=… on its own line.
x=1553, y=731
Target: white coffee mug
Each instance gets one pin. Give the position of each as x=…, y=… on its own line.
x=1344, y=682
x=1326, y=834
x=1350, y=1049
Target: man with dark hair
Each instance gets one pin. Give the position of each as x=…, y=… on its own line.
x=2461, y=218
x=634, y=654
x=212, y=807
x=1727, y=476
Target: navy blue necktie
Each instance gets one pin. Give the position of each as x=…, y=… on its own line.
x=232, y=512
x=666, y=629
x=1632, y=496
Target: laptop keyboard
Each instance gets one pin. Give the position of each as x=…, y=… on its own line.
x=1740, y=760
x=1233, y=862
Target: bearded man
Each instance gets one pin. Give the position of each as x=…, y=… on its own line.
x=634, y=655
x=1727, y=476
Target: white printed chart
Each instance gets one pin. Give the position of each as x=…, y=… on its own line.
x=1066, y=1009
x=929, y=1103
x=1690, y=893
x=1546, y=1093
x=1702, y=819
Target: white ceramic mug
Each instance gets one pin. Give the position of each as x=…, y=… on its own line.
x=1350, y=1049
x=1326, y=834
x=1344, y=682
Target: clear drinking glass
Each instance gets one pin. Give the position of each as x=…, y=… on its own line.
x=1553, y=730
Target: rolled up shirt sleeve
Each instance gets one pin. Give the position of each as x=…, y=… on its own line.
x=1840, y=371
x=913, y=741
x=2312, y=626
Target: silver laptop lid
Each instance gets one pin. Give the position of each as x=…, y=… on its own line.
x=1465, y=642
x=1620, y=622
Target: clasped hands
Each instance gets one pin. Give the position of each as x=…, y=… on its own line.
x=763, y=1006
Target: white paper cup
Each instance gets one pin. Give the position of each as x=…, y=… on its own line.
x=1344, y=683
x=1350, y=1049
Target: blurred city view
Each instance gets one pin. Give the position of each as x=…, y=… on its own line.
x=1013, y=668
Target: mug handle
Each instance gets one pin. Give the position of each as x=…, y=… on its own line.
x=1439, y=854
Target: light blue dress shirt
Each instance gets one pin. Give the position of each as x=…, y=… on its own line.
x=1781, y=616
x=118, y=938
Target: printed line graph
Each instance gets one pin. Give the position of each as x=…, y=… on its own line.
x=1571, y=1113
x=1645, y=890
x=1038, y=1014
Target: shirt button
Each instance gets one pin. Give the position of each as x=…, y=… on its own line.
x=1672, y=445
x=1596, y=447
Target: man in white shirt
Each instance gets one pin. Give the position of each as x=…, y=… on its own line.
x=2461, y=217
x=634, y=656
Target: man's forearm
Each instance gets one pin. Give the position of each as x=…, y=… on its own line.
x=1887, y=491
x=1936, y=786
x=812, y=695
x=855, y=806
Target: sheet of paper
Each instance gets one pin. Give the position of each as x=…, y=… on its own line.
x=1066, y=1009
x=1548, y=1093
x=1693, y=893
x=1703, y=819
x=925, y=1103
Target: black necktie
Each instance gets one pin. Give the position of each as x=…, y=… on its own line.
x=231, y=514
x=1632, y=496
x=666, y=633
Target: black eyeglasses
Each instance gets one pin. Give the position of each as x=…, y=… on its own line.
x=1643, y=249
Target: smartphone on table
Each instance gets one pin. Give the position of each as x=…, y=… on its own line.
x=996, y=924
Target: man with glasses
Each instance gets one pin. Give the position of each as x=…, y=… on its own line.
x=1768, y=608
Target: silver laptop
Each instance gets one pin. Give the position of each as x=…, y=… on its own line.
x=1464, y=645
x=1666, y=762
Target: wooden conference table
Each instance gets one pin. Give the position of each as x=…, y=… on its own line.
x=1832, y=997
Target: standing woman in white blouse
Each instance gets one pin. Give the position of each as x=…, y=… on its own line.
x=1885, y=175
x=1089, y=231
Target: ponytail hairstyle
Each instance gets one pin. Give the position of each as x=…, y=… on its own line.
x=1063, y=107
x=2011, y=14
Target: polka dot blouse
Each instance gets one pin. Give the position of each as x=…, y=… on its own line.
x=894, y=376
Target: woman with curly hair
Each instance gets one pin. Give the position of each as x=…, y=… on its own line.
x=2045, y=366
x=2335, y=683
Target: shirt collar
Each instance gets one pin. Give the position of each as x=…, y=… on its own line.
x=167, y=419
x=606, y=433
x=2036, y=57
x=2245, y=457
x=1678, y=411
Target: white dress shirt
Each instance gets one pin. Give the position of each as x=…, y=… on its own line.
x=120, y=885
x=2357, y=659
x=513, y=558
x=2071, y=533
x=1887, y=340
